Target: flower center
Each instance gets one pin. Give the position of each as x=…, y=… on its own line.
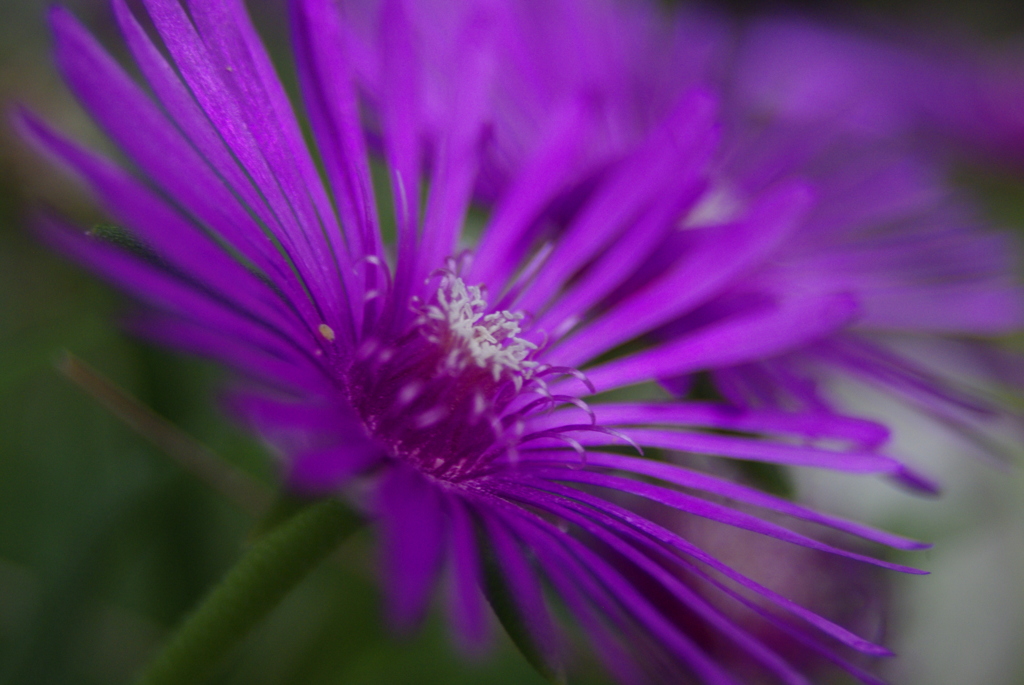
x=457, y=323
x=436, y=395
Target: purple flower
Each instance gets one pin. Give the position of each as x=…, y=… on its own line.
x=922, y=279
x=433, y=373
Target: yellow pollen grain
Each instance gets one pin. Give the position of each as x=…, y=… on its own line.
x=327, y=332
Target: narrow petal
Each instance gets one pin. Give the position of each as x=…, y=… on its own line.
x=715, y=512
x=288, y=373
x=228, y=34
x=164, y=230
x=619, y=263
x=688, y=478
x=257, y=217
x=726, y=446
x=400, y=111
x=708, y=268
x=972, y=309
x=677, y=149
x=794, y=321
x=505, y=241
x=157, y=287
x=663, y=535
x=327, y=82
x=150, y=139
x=601, y=530
x=614, y=594
x=465, y=600
x=809, y=425
x=522, y=586
x=412, y=541
x=455, y=159
x=251, y=126
x=891, y=369
x=321, y=472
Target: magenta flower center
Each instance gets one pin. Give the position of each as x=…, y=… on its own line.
x=437, y=395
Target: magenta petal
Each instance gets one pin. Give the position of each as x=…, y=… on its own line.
x=699, y=274
x=256, y=130
x=793, y=322
x=400, y=111
x=725, y=446
x=153, y=142
x=455, y=165
x=164, y=290
x=716, y=512
x=321, y=472
x=665, y=536
x=331, y=101
x=807, y=425
x=679, y=147
x=505, y=241
x=688, y=478
x=245, y=197
x=615, y=596
x=214, y=340
x=412, y=539
x=513, y=563
x=166, y=231
x=465, y=602
x=601, y=530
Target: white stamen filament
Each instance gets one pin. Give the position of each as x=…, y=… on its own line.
x=489, y=341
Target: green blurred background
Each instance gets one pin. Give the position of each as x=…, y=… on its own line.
x=105, y=542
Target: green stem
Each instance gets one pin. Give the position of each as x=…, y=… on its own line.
x=270, y=568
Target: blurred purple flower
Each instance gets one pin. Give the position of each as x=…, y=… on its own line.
x=950, y=93
x=868, y=124
x=437, y=371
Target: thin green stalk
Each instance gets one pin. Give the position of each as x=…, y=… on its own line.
x=237, y=486
x=270, y=568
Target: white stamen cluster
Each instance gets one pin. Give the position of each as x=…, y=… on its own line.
x=489, y=341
